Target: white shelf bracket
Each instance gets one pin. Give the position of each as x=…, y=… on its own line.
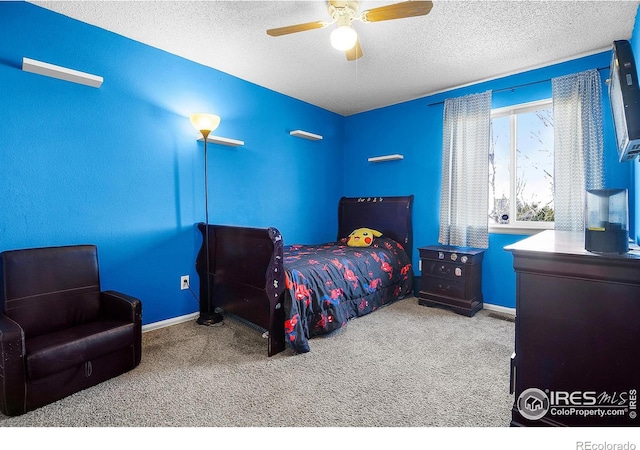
x=394, y=157
x=222, y=141
x=305, y=135
x=61, y=73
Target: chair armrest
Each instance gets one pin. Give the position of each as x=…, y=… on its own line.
x=119, y=306
x=12, y=368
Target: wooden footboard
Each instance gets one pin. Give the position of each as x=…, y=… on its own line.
x=246, y=277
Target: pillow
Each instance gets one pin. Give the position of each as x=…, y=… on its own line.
x=362, y=237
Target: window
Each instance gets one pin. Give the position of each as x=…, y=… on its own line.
x=521, y=167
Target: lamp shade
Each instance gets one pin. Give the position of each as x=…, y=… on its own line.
x=205, y=122
x=343, y=38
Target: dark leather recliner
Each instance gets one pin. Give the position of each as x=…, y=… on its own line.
x=59, y=333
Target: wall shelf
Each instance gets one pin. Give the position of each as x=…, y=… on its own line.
x=62, y=73
x=222, y=141
x=305, y=135
x=393, y=157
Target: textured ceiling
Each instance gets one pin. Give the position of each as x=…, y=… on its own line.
x=457, y=43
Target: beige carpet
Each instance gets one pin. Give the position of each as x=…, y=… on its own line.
x=405, y=365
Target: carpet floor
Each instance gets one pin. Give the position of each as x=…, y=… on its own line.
x=404, y=365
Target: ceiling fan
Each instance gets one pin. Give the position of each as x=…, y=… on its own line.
x=343, y=13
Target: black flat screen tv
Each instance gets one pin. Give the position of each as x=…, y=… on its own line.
x=624, y=96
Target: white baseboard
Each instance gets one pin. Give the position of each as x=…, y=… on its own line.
x=498, y=308
x=169, y=322
x=193, y=316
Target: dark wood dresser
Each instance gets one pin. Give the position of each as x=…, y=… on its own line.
x=577, y=334
x=451, y=277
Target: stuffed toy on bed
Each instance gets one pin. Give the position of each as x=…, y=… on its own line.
x=362, y=237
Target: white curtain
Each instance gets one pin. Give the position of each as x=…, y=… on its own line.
x=578, y=141
x=464, y=196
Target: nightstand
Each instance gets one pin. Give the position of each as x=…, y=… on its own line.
x=452, y=278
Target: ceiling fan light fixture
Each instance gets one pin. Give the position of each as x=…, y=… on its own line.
x=343, y=37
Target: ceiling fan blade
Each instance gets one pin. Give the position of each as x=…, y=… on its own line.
x=296, y=28
x=397, y=11
x=354, y=52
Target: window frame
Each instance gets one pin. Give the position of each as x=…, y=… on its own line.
x=518, y=227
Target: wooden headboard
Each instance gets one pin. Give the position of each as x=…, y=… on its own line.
x=392, y=216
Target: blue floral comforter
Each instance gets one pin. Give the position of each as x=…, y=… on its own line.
x=331, y=283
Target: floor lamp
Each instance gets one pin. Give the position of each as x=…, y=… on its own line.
x=205, y=124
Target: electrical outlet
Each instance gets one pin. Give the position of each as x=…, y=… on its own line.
x=184, y=282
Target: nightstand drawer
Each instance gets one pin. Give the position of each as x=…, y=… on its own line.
x=441, y=286
x=459, y=255
x=443, y=269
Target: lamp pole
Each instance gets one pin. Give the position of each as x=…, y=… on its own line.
x=205, y=123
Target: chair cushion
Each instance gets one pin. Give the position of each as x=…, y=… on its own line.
x=51, y=353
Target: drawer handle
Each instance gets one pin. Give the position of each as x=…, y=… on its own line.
x=444, y=288
x=444, y=269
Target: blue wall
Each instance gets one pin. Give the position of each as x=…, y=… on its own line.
x=120, y=166
x=414, y=129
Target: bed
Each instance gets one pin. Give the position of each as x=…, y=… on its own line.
x=295, y=292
